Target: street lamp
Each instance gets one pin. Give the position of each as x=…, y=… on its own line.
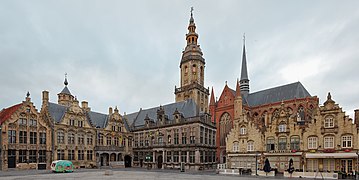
x=256, y=163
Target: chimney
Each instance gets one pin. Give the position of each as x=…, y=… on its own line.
x=85, y=105
x=45, y=96
x=356, y=117
x=110, y=110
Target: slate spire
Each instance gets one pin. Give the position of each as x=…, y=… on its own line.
x=244, y=82
x=212, y=101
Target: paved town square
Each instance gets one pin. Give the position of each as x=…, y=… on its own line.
x=126, y=174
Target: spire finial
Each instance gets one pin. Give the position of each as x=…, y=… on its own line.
x=191, y=21
x=65, y=82
x=28, y=94
x=244, y=38
x=329, y=97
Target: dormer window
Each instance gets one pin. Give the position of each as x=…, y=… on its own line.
x=23, y=121
x=33, y=122
x=243, y=130
x=72, y=122
x=329, y=122
x=282, y=128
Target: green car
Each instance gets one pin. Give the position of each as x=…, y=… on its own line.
x=62, y=166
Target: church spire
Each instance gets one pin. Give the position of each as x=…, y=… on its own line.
x=212, y=101
x=244, y=82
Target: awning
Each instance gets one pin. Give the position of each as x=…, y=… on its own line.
x=331, y=155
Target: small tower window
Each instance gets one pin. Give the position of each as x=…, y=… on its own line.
x=186, y=69
x=194, y=68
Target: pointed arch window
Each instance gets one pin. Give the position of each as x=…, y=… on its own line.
x=225, y=127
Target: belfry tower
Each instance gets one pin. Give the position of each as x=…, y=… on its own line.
x=192, y=71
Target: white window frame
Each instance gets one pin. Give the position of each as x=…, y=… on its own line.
x=250, y=146
x=345, y=141
x=282, y=128
x=312, y=142
x=235, y=146
x=329, y=122
x=243, y=130
x=328, y=142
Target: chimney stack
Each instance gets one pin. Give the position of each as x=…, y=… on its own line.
x=356, y=117
x=45, y=96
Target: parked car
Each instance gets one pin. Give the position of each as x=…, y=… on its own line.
x=62, y=166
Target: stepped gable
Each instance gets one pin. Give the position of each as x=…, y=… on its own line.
x=7, y=112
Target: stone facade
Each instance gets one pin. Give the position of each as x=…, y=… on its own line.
x=25, y=137
x=166, y=143
x=326, y=140
x=63, y=131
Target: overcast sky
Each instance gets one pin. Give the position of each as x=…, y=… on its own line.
x=127, y=53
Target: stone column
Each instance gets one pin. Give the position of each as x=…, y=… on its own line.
x=154, y=156
x=197, y=156
x=180, y=157
x=163, y=159
x=187, y=156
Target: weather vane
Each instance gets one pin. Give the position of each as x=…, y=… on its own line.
x=244, y=37
x=191, y=9
x=65, y=75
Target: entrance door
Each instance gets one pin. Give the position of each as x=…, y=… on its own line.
x=101, y=159
x=159, y=162
x=11, y=156
x=347, y=165
x=128, y=161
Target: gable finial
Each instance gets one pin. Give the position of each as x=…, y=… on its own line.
x=28, y=94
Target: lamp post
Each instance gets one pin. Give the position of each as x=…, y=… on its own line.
x=256, y=163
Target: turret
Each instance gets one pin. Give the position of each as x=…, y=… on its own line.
x=65, y=98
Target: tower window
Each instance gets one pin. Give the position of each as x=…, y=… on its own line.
x=194, y=69
x=186, y=69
